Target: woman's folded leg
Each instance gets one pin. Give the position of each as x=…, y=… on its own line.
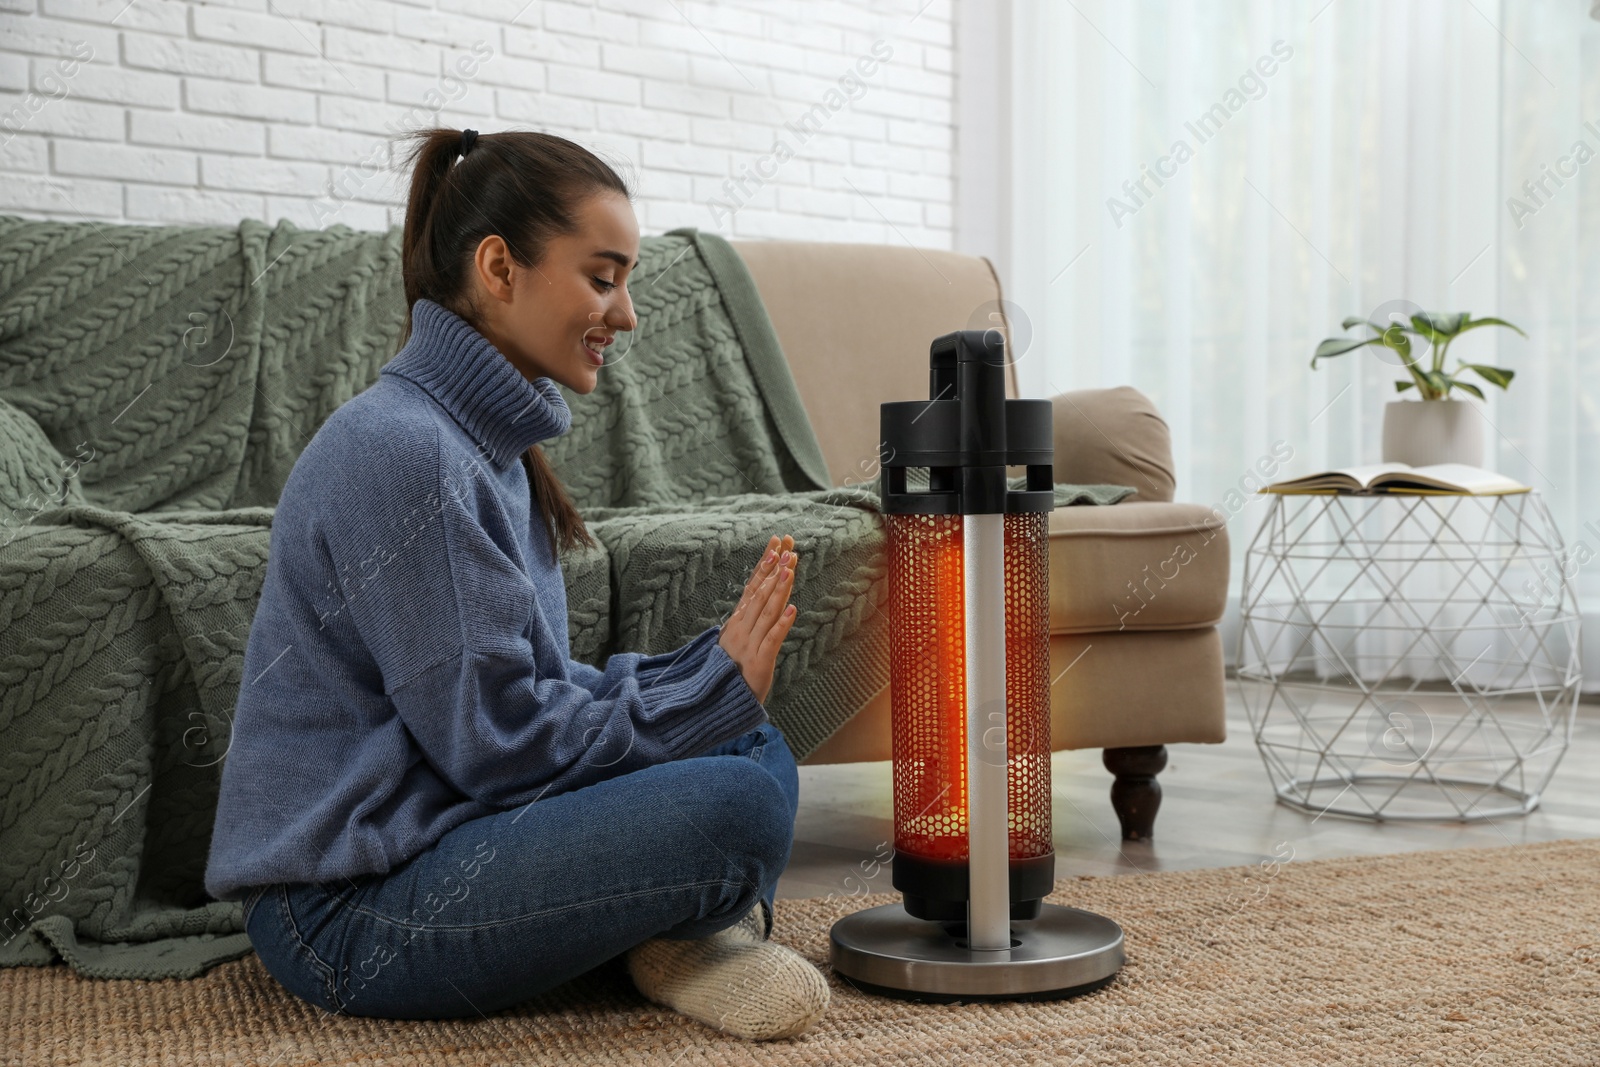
x=767, y=746
x=509, y=905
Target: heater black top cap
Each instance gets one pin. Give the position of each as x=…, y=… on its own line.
x=966, y=435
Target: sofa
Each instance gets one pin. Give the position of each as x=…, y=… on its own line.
x=112, y=336
x=1136, y=589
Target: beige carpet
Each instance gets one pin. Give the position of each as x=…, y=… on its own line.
x=1471, y=957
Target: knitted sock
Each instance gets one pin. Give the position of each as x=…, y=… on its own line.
x=733, y=980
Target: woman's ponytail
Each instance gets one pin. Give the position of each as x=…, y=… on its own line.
x=431, y=160
x=523, y=186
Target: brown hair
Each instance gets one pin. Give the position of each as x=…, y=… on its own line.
x=525, y=187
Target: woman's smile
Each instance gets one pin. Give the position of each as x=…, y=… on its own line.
x=594, y=345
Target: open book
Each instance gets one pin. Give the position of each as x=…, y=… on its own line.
x=1451, y=478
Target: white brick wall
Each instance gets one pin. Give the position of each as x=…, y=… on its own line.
x=206, y=111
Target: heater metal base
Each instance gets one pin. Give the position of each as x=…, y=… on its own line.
x=1064, y=952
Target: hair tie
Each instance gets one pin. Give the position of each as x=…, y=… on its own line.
x=468, y=139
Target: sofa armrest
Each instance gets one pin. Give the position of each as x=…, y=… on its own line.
x=1113, y=437
x=1140, y=565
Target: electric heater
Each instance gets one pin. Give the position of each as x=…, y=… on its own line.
x=969, y=677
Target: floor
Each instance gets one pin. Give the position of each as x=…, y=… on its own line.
x=1217, y=810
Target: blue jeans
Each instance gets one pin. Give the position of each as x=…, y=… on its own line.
x=508, y=905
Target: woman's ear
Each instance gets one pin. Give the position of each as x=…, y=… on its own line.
x=494, y=267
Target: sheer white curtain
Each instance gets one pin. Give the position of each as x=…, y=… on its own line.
x=1201, y=190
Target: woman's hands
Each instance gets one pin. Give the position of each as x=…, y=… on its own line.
x=755, y=631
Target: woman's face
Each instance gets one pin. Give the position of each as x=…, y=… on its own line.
x=544, y=318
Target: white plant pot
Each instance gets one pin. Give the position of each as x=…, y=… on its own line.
x=1423, y=432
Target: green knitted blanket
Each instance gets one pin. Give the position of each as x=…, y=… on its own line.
x=156, y=387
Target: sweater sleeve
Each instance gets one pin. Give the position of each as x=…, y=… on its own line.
x=503, y=735
x=451, y=622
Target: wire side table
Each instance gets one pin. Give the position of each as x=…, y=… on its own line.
x=1404, y=673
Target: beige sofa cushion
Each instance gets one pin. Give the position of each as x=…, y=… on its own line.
x=855, y=322
x=1137, y=566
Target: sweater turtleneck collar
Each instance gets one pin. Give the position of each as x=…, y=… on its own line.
x=472, y=380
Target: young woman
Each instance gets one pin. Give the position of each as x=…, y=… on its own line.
x=429, y=808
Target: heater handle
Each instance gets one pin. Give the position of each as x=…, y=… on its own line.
x=966, y=435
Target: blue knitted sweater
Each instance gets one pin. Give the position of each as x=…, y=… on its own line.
x=408, y=667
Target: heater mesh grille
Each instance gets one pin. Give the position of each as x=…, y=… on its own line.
x=1028, y=681
x=927, y=677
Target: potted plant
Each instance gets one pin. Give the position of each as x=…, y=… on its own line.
x=1418, y=434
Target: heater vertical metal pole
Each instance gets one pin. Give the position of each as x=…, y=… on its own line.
x=988, y=829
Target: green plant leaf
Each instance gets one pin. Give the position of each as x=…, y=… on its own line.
x=1440, y=383
x=1475, y=323
x=1401, y=387
x=1424, y=329
x=1440, y=325
x=1468, y=386
x=1395, y=337
x=1338, y=346
x=1493, y=375
x=1352, y=320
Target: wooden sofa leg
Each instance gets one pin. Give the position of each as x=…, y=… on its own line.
x=1135, y=793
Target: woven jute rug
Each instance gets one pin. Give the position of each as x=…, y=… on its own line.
x=1471, y=956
